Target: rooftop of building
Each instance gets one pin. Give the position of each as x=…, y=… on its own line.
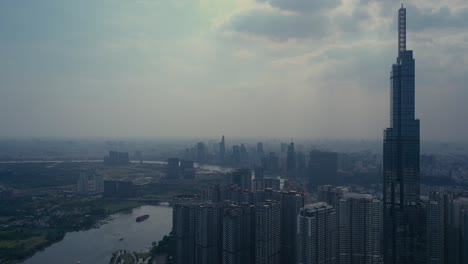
x=352, y=195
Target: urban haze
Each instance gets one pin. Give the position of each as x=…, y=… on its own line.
x=233, y=132
x=245, y=68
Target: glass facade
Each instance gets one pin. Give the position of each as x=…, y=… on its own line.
x=402, y=209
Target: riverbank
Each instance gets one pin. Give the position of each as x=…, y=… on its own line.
x=96, y=245
x=21, y=236
x=162, y=252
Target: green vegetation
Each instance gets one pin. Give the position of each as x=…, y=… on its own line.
x=164, y=246
x=39, y=175
x=143, y=255
x=40, y=205
x=49, y=175
x=166, y=191
x=29, y=243
x=115, y=206
x=127, y=258
x=18, y=243
x=22, y=238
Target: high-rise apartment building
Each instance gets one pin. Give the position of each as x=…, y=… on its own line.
x=268, y=232
x=98, y=179
x=360, y=229
x=317, y=236
x=331, y=194
x=291, y=204
x=82, y=183
x=239, y=234
x=454, y=235
x=435, y=246
x=184, y=230
x=209, y=234
x=464, y=236
x=444, y=200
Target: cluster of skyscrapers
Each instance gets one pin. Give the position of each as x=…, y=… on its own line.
x=180, y=169
x=272, y=226
x=251, y=227
x=249, y=223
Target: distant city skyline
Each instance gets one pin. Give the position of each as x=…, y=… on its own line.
x=246, y=68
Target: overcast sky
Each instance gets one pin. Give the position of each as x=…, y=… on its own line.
x=288, y=68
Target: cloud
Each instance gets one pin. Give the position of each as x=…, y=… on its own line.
x=345, y=50
x=443, y=17
x=303, y=19
x=303, y=6
x=277, y=26
x=304, y=68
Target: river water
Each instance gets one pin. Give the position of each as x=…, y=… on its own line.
x=217, y=168
x=95, y=246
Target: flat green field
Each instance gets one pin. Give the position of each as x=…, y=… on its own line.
x=27, y=244
x=18, y=243
x=111, y=207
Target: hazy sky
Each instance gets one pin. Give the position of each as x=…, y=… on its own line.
x=290, y=68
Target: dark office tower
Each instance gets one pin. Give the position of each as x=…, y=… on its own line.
x=323, y=168
x=268, y=232
x=284, y=147
x=244, y=156
x=236, y=155
x=222, y=151
x=238, y=234
x=274, y=184
x=242, y=178
x=201, y=152
x=117, y=158
x=271, y=162
x=259, y=173
x=360, y=228
x=291, y=204
x=291, y=158
x=173, y=169
x=260, y=151
x=183, y=225
x=402, y=243
x=301, y=161
x=209, y=234
x=316, y=234
x=187, y=169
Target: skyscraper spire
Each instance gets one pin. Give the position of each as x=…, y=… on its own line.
x=403, y=227
x=222, y=150
x=401, y=29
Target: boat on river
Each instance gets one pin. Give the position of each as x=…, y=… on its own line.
x=142, y=218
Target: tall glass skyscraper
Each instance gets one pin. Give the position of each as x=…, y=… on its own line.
x=402, y=209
